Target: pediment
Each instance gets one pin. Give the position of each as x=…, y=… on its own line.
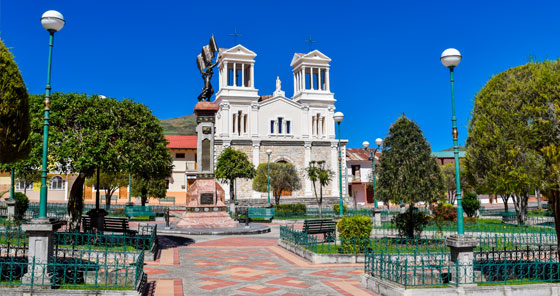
x=314, y=56
x=280, y=100
x=239, y=50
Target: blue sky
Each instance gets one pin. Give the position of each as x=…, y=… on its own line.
x=385, y=54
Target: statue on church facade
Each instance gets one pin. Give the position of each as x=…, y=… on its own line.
x=205, y=66
x=278, y=84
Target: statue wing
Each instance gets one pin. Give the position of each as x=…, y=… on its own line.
x=207, y=54
x=213, y=45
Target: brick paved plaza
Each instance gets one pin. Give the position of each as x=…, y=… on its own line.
x=244, y=265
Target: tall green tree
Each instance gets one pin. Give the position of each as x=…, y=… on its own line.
x=146, y=188
x=109, y=182
x=283, y=177
x=407, y=172
x=513, y=120
x=232, y=165
x=318, y=172
x=14, y=110
x=450, y=183
x=90, y=131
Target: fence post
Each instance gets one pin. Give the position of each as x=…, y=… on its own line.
x=462, y=254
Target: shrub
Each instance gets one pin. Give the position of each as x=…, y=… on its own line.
x=290, y=208
x=411, y=223
x=22, y=203
x=354, y=233
x=336, y=209
x=471, y=204
x=445, y=212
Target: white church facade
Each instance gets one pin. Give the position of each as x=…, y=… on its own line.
x=297, y=129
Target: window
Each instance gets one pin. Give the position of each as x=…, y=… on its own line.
x=279, y=125
x=230, y=74
x=20, y=185
x=245, y=123
x=247, y=76
x=239, y=116
x=315, y=79
x=238, y=76
x=57, y=183
x=288, y=127
x=180, y=155
x=323, y=79
x=234, y=122
x=272, y=126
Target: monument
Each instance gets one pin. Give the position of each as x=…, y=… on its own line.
x=206, y=206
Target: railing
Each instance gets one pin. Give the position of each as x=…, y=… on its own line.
x=528, y=265
x=75, y=273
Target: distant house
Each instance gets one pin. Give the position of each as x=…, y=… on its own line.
x=359, y=177
x=446, y=156
x=183, y=151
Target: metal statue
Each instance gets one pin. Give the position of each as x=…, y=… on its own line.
x=205, y=66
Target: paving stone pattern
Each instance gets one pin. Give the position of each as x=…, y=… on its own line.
x=244, y=265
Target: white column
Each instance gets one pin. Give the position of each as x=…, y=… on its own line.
x=305, y=123
x=234, y=75
x=328, y=81
x=252, y=78
x=306, y=160
x=319, y=81
x=243, y=75
x=334, y=166
x=225, y=118
x=256, y=162
x=295, y=83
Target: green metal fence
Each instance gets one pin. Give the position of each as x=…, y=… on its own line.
x=74, y=273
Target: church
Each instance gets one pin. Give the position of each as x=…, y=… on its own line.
x=297, y=129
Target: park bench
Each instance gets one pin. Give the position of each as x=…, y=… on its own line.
x=509, y=217
x=167, y=199
x=262, y=213
x=324, y=226
x=111, y=224
x=139, y=211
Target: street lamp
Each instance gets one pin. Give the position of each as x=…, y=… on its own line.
x=338, y=118
x=451, y=58
x=268, y=152
x=372, y=153
x=52, y=21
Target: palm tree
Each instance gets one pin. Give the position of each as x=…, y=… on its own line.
x=317, y=172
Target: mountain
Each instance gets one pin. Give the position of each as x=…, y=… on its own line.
x=185, y=125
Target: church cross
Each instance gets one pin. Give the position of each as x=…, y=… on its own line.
x=235, y=34
x=310, y=42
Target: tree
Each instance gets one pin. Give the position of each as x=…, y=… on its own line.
x=317, y=172
x=149, y=188
x=407, y=172
x=514, y=119
x=14, y=110
x=283, y=177
x=450, y=182
x=89, y=132
x=233, y=164
x=109, y=182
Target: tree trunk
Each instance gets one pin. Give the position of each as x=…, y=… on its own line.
x=554, y=205
x=451, y=196
x=520, y=203
x=539, y=200
x=277, y=197
x=76, y=202
x=321, y=201
x=108, y=195
x=144, y=196
x=231, y=191
x=505, y=199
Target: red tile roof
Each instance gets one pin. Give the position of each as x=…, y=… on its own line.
x=181, y=142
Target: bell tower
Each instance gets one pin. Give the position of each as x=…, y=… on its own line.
x=237, y=75
x=311, y=78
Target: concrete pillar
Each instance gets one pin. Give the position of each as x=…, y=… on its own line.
x=306, y=160
x=11, y=203
x=462, y=248
x=256, y=162
x=40, y=233
x=334, y=167
x=376, y=217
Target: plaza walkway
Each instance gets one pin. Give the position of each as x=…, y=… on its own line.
x=244, y=265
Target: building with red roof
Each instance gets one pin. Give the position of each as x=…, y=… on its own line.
x=183, y=151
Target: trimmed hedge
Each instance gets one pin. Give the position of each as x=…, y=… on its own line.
x=290, y=208
x=336, y=209
x=352, y=229
x=22, y=203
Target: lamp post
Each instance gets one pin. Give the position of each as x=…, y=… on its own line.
x=338, y=118
x=52, y=21
x=451, y=58
x=372, y=153
x=268, y=152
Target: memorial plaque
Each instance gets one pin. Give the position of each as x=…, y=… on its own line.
x=206, y=198
x=205, y=155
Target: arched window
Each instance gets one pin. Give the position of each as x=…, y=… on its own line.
x=57, y=183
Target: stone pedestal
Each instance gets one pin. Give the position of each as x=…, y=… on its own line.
x=376, y=217
x=97, y=217
x=11, y=203
x=40, y=233
x=462, y=248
